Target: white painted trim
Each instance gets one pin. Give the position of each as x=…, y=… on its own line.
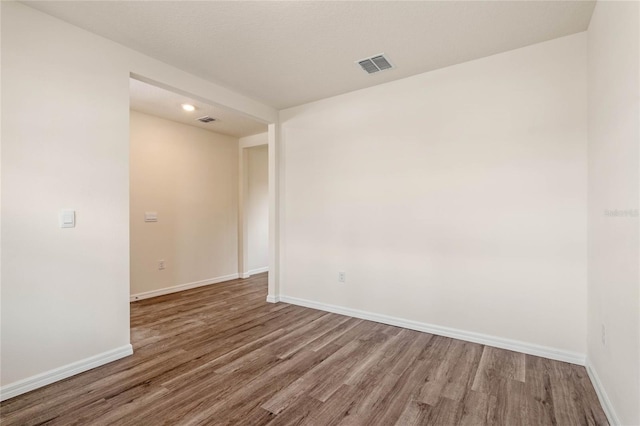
x=254, y=271
x=181, y=287
x=258, y=270
x=51, y=376
x=275, y=163
x=602, y=395
x=273, y=299
x=469, y=336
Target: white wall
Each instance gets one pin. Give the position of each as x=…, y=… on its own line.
x=614, y=184
x=258, y=207
x=189, y=176
x=454, y=198
x=65, y=144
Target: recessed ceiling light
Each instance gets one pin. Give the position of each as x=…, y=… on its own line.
x=188, y=107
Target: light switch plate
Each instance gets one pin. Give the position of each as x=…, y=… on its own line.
x=150, y=216
x=67, y=218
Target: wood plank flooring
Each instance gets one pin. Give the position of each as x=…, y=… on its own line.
x=222, y=355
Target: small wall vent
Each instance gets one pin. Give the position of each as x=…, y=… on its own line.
x=375, y=64
x=206, y=119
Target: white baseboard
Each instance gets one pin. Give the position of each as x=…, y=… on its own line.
x=273, y=299
x=602, y=395
x=51, y=376
x=469, y=336
x=254, y=271
x=181, y=287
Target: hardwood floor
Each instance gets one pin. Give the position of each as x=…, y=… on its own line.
x=222, y=355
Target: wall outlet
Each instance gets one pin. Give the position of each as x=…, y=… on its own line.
x=342, y=277
x=603, y=335
x=161, y=265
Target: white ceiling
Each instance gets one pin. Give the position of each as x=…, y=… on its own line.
x=287, y=53
x=162, y=103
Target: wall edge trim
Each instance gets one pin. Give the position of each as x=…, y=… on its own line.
x=257, y=270
x=181, y=287
x=469, y=336
x=39, y=380
x=607, y=406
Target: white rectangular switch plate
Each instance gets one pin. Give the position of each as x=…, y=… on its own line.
x=150, y=216
x=67, y=218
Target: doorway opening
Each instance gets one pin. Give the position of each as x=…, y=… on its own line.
x=200, y=196
x=253, y=248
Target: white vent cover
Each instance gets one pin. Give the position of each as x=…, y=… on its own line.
x=375, y=64
x=206, y=119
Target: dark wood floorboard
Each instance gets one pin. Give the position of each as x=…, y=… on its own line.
x=221, y=355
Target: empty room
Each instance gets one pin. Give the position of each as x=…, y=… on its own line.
x=320, y=212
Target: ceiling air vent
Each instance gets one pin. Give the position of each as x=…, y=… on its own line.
x=375, y=64
x=206, y=119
